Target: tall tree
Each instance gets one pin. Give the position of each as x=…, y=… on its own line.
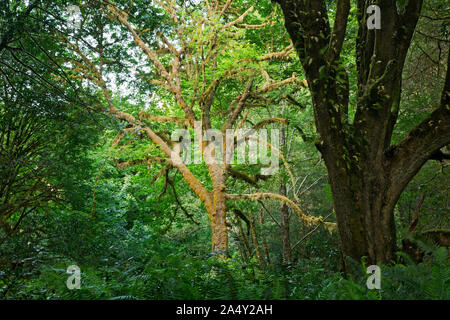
x=201, y=72
x=36, y=115
x=367, y=173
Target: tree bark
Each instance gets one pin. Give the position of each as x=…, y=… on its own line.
x=218, y=219
x=364, y=209
x=218, y=210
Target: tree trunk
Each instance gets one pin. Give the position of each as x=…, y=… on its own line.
x=255, y=240
x=246, y=251
x=220, y=234
x=218, y=211
x=263, y=241
x=285, y=231
x=218, y=226
x=364, y=210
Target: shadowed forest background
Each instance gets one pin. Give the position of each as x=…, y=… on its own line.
x=92, y=91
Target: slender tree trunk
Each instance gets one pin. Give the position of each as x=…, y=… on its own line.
x=286, y=235
x=285, y=231
x=263, y=241
x=246, y=252
x=255, y=240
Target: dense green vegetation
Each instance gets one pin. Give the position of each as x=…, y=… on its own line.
x=82, y=183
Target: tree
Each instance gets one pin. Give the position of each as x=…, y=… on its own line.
x=366, y=172
x=197, y=57
x=40, y=122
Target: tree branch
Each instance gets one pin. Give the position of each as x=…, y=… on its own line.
x=242, y=176
x=309, y=220
x=424, y=141
x=339, y=28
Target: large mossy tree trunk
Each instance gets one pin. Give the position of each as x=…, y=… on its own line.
x=364, y=206
x=367, y=174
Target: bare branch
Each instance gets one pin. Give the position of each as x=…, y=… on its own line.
x=330, y=226
x=253, y=26
x=270, y=214
x=239, y=107
x=242, y=176
x=239, y=19
x=278, y=55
